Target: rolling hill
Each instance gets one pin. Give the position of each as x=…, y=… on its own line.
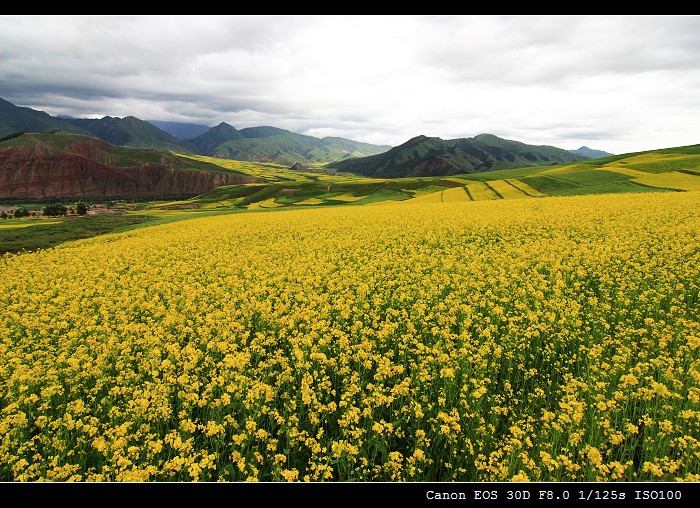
x=431, y=156
x=670, y=169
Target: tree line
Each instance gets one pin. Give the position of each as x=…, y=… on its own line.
x=50, y=210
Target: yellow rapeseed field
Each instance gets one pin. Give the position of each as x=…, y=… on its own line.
x=550, y=339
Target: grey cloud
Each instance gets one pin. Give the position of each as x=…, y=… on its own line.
x=553, y=78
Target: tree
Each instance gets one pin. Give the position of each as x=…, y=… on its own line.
x=21, y=212
x=54, y=210
x=3, y=215
x=81, y=208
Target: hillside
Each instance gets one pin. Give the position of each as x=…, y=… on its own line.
x=425, y=156
x=64, y=165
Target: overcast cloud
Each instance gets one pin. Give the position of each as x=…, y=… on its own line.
x=615, y=83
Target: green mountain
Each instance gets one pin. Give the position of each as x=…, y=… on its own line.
x=181, y=130
x=129, y=131
x=15, y=119
x=206, y=143
x=270, y=144
x=591, y=153
x=425, y=156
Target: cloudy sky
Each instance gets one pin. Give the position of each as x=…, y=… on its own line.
x=615, y=83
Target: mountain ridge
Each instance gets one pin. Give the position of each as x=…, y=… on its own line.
x=420, y=156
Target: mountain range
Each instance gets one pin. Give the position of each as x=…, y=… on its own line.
x=61, y=159
x=262, y=144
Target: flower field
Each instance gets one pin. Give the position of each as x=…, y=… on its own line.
x=548, y=339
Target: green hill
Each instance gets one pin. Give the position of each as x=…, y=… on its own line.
x=129, y=131
x=425, y=156
x=206, y=143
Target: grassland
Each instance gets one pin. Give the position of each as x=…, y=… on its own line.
x=17, y=235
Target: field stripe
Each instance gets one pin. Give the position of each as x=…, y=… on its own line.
x=348, y=198
x=310, y=201
x=478, y=191
x=432, y=197
x=507, y=190
x=522, y=186
x=488, y=184
x=455, y=195
x=672, y=180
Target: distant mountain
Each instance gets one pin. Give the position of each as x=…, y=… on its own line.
x=65, y=165
x=180, y=130
x=129, y=131
x=591, y=153
x=426, y=156
x=271, y=144
x=18, y=119
x=351, y=148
